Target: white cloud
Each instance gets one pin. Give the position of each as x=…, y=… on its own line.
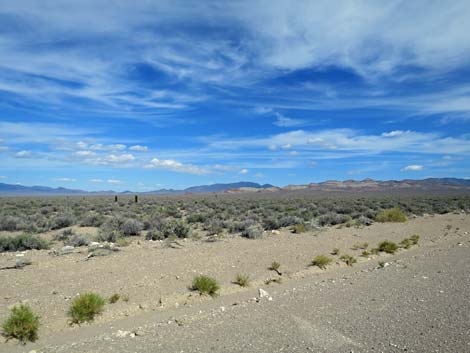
x=101, y=147
x=118, y=159
x=243, y=171
x=175, y=166
x=96, y=180
x=3, y=148
x=114, y=181
x=394, y=133
x=85, y=153
x=66, y=180
x=23, y=154
x=412, y=168
x=139, y=148
x=3, y=177
x=263, y=110
x=348, y=140
x=284, y=121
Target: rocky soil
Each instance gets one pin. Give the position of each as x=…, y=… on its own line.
x=417, y=301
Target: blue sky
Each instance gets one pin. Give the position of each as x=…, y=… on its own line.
x=129, y=95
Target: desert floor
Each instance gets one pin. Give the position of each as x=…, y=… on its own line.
x=417, y=302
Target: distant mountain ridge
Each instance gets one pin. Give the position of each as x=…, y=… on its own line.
x=430, y=184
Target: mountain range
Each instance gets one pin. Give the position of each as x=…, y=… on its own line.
x=429, y=184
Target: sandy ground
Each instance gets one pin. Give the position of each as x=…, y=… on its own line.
x=420, y=300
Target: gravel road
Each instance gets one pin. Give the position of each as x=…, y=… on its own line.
x=417, y=303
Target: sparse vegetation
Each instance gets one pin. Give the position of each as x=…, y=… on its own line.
x=205, y=285
x=114, y=298
x=22, y=242
x=275, y=267
x=348, y=259
x=361, y=246
x=22, y=324
x=322, y=261
x=388, y=246
x=391, y=215
x=242, y=280
x=86, y=307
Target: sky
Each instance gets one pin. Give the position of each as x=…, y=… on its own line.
x=144, y=95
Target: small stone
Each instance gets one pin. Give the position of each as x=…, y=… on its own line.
x=122, y=333
x=138, y=332
x=263, y=293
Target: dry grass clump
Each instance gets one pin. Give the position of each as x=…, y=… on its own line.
x=22, y=324
x=388, y=246
x=391, y=215
x=321, y=261
x=242, y=280
x=86, y=307
x=206, y=285
x=348, y=259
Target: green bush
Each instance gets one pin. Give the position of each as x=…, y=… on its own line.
x=22, y=242
x=85, y=307
x=205, y=285
x=322, y=261
x=388, y=246
x=22, y=324
x=391, y=215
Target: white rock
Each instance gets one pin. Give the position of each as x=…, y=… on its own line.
x=275, y=232
x=122, y=333
x=263, y=293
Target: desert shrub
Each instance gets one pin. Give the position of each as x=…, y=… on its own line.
x=181, y=229
x=114, y=298
x=288, y=221
x=22, y=324
x=271, y=222
x=205, y=285
x=414, y=239
x=365, y=253
x=333, y=219
x=335, y=251
x=85, y=307
x=321, y=261
x=131, y=227
x=364, y=221
x=63, y=221
x=409, y=242
x=64, y=235
x=348, y=259
x=388, y=246
x=122, y=242
x=197, y=218
x=154, y=235
x=22, y=242
x=406, y=243
x=298, y=228
x=254, y=231
x=92, y=219
x=9, y=223
x=214, y=226
x=391, y=215
x=361, y=246
x=108, y=235
x=242, y=280
x=274, y=266
x=78, y=240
